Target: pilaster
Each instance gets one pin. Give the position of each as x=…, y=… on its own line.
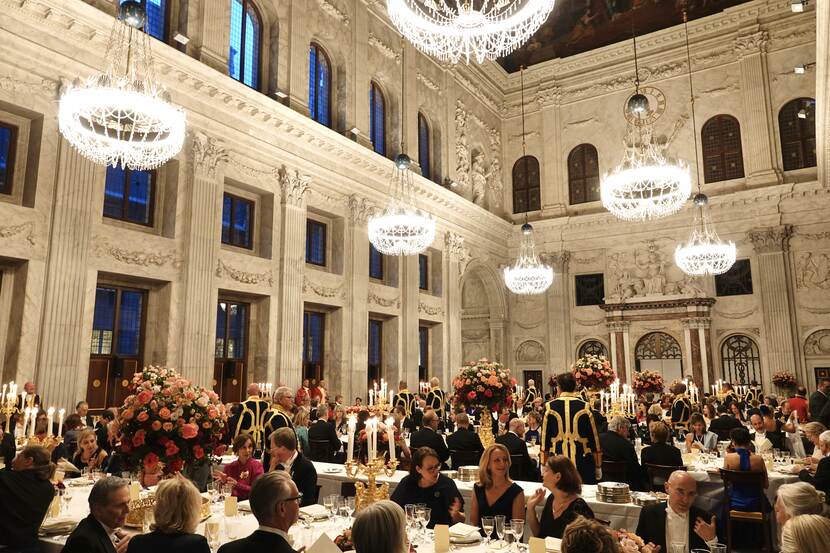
x=697, y=348
x=554, y=191
x=215, y=38
x=357, y=312
x=298, y=58
x=822, y=84
x=619, y=340
x=559, y=310
x=455, y=256
x=409, y=339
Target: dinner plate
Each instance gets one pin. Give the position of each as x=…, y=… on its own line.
x=80, y=482
x=332, y=470
x=466, y=540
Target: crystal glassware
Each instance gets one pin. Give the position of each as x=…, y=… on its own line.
x=487, y=524
x=499, y=527
x=517, y=527
x=212, y=534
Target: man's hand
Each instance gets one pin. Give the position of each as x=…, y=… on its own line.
x=707, y=532
x=123, y=541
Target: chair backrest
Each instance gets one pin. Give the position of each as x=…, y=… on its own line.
x=746, y=479
x=517, y=467
x=659, y=474
x=465, y=458
x=319, y=450
x=613, y=471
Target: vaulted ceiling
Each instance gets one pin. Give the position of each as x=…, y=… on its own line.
x=577, y=26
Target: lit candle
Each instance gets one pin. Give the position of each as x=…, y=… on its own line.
x=391, y=396
x=26, y=412
x=351, y=424
x=370, y=453
x=61, y=413
x=32, y=424
x=371, y=397
x=390, y=435
x=50, y=413
x=22, y=399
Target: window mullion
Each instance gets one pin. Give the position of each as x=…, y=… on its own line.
x=242, y=41
x=116, y=324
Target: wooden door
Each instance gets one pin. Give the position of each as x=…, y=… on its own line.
x=231, y=351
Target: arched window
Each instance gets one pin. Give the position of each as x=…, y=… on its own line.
x=155, y=23
x=526, y=195
x=592, y=347
x=377, y=119
x=797, y=125
x=246, y=42
x=319, y=85
x=583, y=174
x=722, y=155
x=740, y=360
x=424, y=146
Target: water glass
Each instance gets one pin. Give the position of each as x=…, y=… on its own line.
x=487, y=524
x=148, y=521
x=350, y=505
x=328, y=503
x=499, y=527
x=232, y=527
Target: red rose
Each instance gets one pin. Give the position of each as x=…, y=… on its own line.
x=163, y=440
x=198, y=452
x=126, y=447
x=175, y=465
x=151, y=461
x=471, y=396
x=189, y=431
x=138, y=438
x=144, y=397
x=220, y=450
x=488, y=393
x=171, y=448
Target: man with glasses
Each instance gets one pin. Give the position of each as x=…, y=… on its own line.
x=275, y=503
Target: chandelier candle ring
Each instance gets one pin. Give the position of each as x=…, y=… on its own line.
x=645, y=186
x=483, y=29
x=123, y=116
x=528, y=275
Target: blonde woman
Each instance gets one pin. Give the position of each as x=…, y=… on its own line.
x=301, y=427
x=177, y=513
x=806, y=534
x=495, y=494
x=812, y=430
x=380, y=527
x=89, y=455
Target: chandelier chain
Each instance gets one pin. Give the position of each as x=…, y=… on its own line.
x=691, y=93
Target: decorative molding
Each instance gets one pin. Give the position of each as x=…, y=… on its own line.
x=102, y=248
x=293, y=186
x=788, y=38
x=817, y=343
x=429, y=310
x=332, y=10
x=618, y=326
x=208, y=153
x=813, y=236
x=429, y=83
x=719, y=90
x=384, y=49
x=44, y=86
x=244, y=277
x=588, y=322
x=753, y=43
x=360, y=209
x=321, y=290
x=475, y=333
x=558, y=260
x=812, y=271
x=814, y=310
x=26, y=229
x=715, y=57
x=383, y=302
x=579, y=123
x=267, y=176
x=755, y=331
x=737, y=315
x=530, y=351
x=770, y=239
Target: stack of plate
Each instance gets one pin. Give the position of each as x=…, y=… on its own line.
x=642, y=499
x=468, y=473
x=451, y=474
x=613, y=492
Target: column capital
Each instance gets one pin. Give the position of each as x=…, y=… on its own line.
x=617, y=326
x=558, y=260
x=454, y=245
x=771, y=239
x=751, y=43
x=207, y=153
x=293, y=186
x=360, y=209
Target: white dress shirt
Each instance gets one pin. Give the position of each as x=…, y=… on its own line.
x=677, y=529
x=287, y=465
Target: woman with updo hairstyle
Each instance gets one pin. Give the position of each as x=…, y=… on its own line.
x=798, y=498
x=380, y=527
x=89, y=454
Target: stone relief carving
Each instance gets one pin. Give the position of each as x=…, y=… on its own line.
x=753, y=43
x=102, y=248
x=384, y=49
x=725, y=88
x=323, y=291
x=812, y=271
x=208, y=153
x=494, y=180
x=588, y=322
x=755, y=331
x=580, y=123
x=713, y=58
x=332, y=10
x=642, y=272
x=530, y=351
x=293, y=186
x=736, y=315
x=813, y=236
x=474, y=350
x=383, y=302
x=360, y=208
x=558, y=260
x=43, y=86
x=462, y=154
x=479, y=180
x=818, y=343
x=26, y=229
x=770, y=239
x=429, y=310
x=245, y=277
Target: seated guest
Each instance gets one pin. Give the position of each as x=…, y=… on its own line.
x=526, y=469
x=806, y=534
x=709, y=413
x=7, y=448
x=660, y=452
x=699, y=438
x=775, y=438
x=584, y=535
x=677, y=520
x=495, y=494
x=339, y=420
x=100, y=532
x=744, y=498
x=276, y=507
x=102, y=432
x=26, y=495
x=407, y=422
x=820, y=476
x=737, y=410
x=301, y=427
x=284, y=456
x=505, y=416
x=798, y=498
x=380, y=527
x=72, y=429
x=812, y=431
x=724, y=423
x=82, y=410
x=323, y=430
x=425, y=484
x=464, y=438
x=564, y=504
x=533, y=428
x=89, y=455
x=242, y=472
x=616, y=446
x=428, y=437
x=177, y=512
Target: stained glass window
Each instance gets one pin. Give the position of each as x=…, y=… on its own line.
x=246, y=37
x=319, y=85
x=722, y=155
x=377, y=119
x=583, y=174
x=797, y=125
x=315, y=242
x=526, y=188
x=424, y=146
x=8, y=139
x=237, y=221
x=128, y=195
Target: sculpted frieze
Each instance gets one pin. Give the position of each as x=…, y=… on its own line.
x=245, y=277
x=530, y=351
x=23, y=231
x=430, y=310
x=383, y=302
x=817, y=343
x=812, y=271
x=102, y=248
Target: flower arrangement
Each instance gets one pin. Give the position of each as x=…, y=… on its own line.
x=593, y=372
x=784, y=379
x=167, y=422
x=630, y=542
x=484, y=383
x=344, y=540
x=647, y=381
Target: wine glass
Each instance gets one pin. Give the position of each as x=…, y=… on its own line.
x=517, y=527
x=328, y=503
x=212, y=534
x=349, y=503
x=232, y=527
x=148, y=520
x=426, y=513
x=677, y=548
x=487, y=524
x=499, y=528
x=67, y=498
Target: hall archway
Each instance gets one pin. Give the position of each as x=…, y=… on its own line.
x=483, y=311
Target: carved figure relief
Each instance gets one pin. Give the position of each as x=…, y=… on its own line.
x=462, y=154
x=812, y=271
x=818, y=343
x=530, y=351
x=494, y=180
x=479, y=180
x=642, y=272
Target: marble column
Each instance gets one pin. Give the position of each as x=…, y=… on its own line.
x=410, y=318
x=455, y=259
x=757, y=125
x=697, y=354
x=293, y=187
x=214, y=36
x=356, y=344
x=202, y=238
x=357, y=115
x=559, y=311
x=555, y=190
x=822, y=89
x=63, y=358
x=771, y=245
x=620, y=349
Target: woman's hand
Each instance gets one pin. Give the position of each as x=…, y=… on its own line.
x=535, y=499
x=455, y=510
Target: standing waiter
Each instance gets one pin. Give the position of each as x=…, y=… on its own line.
x=404, y=398
x=569, y=429
x=681, y=409
x=252, y=417
x=437, y=398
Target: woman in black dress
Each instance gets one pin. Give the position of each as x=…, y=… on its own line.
x=425, y=484
x=495, y=494
x=560, y=476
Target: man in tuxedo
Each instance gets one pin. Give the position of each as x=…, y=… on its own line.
x=505, y=416
x=617, y=447
x=100, y=532
x=284, y=456
x=821, y=478
x=464, y=439
x=101, y=431
x=678, y=520
x=724, y=423
x=26, y=495
x=427, y=436
x=82, y=410
x=819, y=398
x=275, y=504
x=322, y=430
x=775, y=438
x=513, y=440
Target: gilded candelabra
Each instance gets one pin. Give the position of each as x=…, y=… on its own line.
x=371, y=491
x=617, y=410
x=49, y=442
x=8, y=406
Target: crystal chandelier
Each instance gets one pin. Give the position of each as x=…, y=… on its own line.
x=402, y=228
x=123, y=116
x=704, y=253
x=484, y=29
x=645, y=185
x=527, y=275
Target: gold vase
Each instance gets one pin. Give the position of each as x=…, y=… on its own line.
x=485, y=431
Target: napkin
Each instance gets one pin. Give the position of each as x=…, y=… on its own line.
x=553, y=544
x=536, y=545
x=244, y=506
x=135, y=491
x=323, y=545
x=462, y=530
x=314, y=511
x=66, y=466
x=58, y=526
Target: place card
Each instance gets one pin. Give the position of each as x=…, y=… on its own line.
x=231, y=507
x=135, y=491
x=536, y=545
x=442, y=538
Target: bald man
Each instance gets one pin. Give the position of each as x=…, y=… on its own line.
x=678, y=520
x=522, y=467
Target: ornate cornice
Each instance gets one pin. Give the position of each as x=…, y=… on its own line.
x=384, y=49
x=293, y=186
x=618, y=326
x=208, y=153
x=658, y=304
x=771, y=239
x=752, y=43
x=696, y=322
x=245, y=277
x=330, y=9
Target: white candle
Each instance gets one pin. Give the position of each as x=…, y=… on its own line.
x=351, y=424
x=22, y=399
x=25, y=419
x=390, y=435
x=369, y=432
x=61, y=413
x=51, y=418
x=391, y=396
x=32, y=424
x=370, y=397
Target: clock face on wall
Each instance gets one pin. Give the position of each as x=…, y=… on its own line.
x=656, y=106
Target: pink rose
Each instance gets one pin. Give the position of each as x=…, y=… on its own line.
x=171, y=448
x=189, y=431
x=143, y=416
x=144, y=397
x=138, y=438
x=156, y=426
x=198, y=452
x=164, y=413
x=151, y=461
